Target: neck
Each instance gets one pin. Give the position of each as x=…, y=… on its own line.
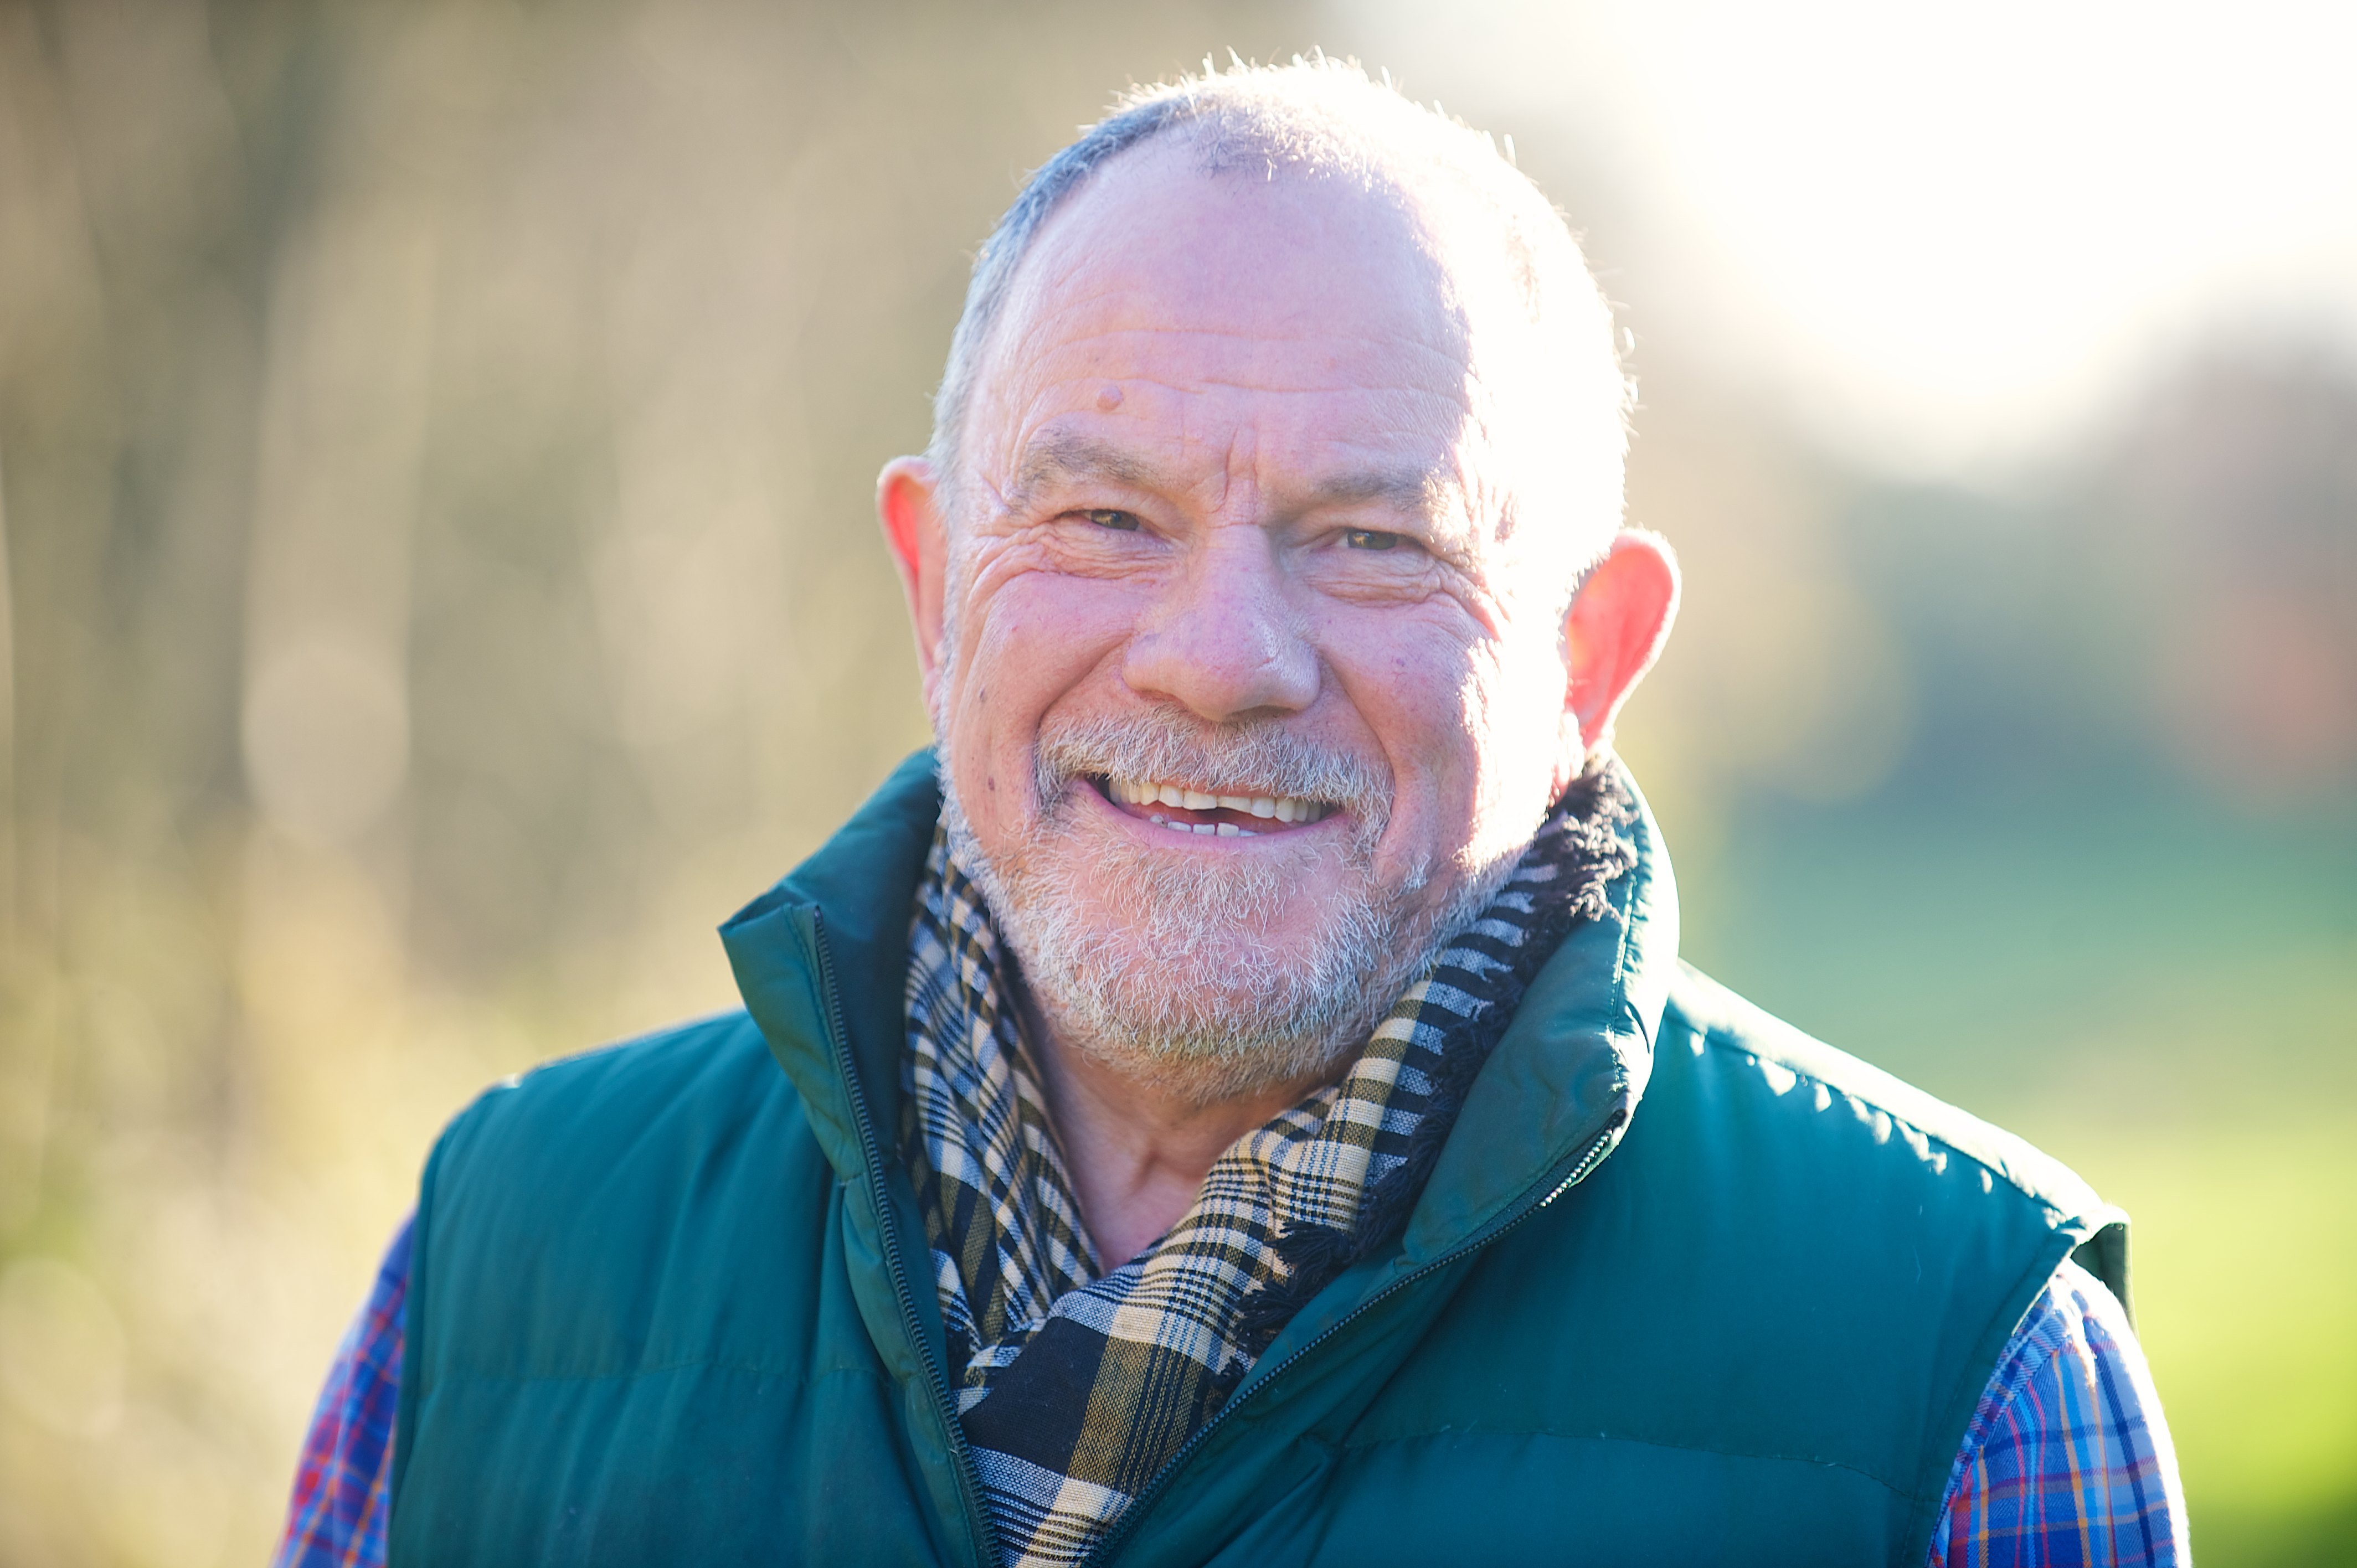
x=1138, y=1147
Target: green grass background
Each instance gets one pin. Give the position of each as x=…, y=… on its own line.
x=2165, y=995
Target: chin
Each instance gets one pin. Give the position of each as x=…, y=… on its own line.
x=1211, y=976
x=1209, y=980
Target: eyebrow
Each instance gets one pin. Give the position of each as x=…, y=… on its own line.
x=1054, y=456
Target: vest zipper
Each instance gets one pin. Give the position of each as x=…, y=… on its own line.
x=879, y=1191
x=1579, y=1164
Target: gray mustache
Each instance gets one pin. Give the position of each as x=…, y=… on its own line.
x=1255, y=759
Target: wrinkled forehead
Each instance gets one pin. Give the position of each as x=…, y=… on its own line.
x=1334, y=306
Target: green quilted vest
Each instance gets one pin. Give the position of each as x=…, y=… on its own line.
x=1686, y=1288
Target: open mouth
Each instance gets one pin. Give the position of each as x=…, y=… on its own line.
x=1186, y=810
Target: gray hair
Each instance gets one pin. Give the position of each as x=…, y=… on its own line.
x=1325, y=118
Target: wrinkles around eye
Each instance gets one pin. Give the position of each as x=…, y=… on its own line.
x=1365, y=564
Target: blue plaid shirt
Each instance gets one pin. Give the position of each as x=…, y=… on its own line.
x=2067, y=1463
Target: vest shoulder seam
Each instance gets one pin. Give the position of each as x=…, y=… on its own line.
x=569, y=1074
x=666, y=1034
x=1746, y=1030
x=1930, y=1135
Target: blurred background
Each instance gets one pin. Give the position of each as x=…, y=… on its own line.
x=437, y=586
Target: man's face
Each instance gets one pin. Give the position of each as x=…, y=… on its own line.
x=1246, y=702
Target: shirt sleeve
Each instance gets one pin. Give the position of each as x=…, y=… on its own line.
x=343, y=1485
x=2068, y=1459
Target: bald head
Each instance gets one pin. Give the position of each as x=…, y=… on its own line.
x=1499, y=276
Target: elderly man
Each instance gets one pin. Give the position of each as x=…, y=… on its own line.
x=1236, y=1101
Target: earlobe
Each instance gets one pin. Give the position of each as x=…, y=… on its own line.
x=1615, y=630
x=908, y=504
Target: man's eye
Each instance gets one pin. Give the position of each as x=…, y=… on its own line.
x=1371, y=539
x=1106, y=517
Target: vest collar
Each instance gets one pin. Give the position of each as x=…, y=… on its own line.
x=1554, y=1096
x=1557, y=1094
x=850, y=901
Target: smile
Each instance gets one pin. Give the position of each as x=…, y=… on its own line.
x=1186, y=810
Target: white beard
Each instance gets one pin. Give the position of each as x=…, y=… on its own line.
x=1175, y=980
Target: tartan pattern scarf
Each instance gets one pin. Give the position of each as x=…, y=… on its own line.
x=1076, y=1385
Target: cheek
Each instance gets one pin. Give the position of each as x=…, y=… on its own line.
x=1468, y=724
x=1527, y=698
x=1025, y=643
x=1422, y=687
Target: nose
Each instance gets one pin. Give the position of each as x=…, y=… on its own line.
x=1222, y=639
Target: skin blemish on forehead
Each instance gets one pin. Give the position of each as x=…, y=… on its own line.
x=1109, y=399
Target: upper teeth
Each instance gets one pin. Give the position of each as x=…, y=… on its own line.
x=1283, y=808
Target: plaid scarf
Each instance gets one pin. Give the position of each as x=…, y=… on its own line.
x=1076, y=1386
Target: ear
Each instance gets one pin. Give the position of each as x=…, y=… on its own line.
x=907, y=503
x=1615, y=628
